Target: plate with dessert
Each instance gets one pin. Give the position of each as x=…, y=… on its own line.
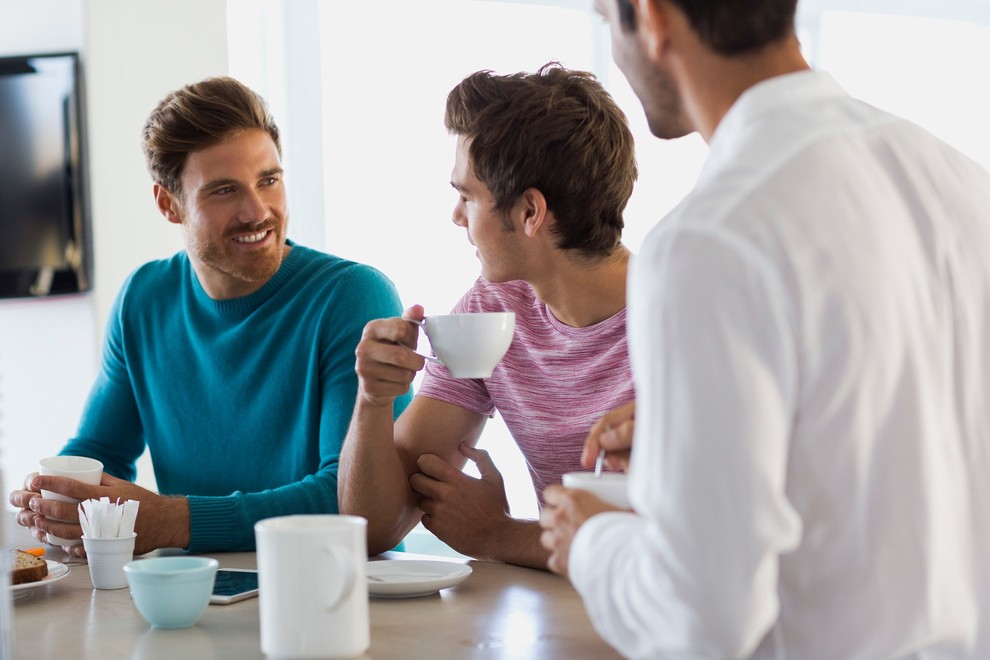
x=30, y=572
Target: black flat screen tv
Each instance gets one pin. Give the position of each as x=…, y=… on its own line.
x=45, y=242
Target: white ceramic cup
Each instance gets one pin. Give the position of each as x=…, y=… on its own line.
x=312, y=587
x=470, y=345
x=106, y=559
x=611, y=487
x=87, y=470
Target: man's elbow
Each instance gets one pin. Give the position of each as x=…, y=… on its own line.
x=380, y=541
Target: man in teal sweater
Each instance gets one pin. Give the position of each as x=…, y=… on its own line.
x=233, y=361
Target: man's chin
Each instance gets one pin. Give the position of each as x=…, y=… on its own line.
x=257, y=268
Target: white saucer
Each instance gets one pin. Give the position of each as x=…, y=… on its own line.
x=413, y=577
x=56, y=571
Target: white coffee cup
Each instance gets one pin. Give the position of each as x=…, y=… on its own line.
x=470, y=345
x=312, y=586
x=611, y=487
x=106, y=558
x=87, y=470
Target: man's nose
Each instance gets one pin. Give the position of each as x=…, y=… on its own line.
x=458, y=217
x=252, y=209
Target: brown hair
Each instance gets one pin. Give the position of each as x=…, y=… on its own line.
x=555, y=130
x=197, y=116
x=730, y=27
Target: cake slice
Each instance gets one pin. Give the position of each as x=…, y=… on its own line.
x=28, y=568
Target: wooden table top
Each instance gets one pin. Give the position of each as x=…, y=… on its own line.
x=499, y=611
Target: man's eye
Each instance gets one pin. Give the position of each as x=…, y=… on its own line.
x=269, y=181
x=223, y=191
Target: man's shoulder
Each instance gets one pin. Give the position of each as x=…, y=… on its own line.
x=160, y=272
x=485, y=296
x=321, y=265
x=342, y=283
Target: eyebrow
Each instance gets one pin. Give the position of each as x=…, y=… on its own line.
x=457, y=187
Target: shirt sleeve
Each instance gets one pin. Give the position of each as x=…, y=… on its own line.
x=695, y=573
x=226, y=523
x=110, y=428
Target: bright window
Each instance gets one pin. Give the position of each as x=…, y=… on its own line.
x=360, y=89
x=927, y=70
x=388, y=155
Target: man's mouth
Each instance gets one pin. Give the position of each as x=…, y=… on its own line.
x=252, y=238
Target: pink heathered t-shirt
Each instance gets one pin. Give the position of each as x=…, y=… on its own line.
x=553, y=384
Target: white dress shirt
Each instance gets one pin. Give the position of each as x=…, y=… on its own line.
x=810, y=339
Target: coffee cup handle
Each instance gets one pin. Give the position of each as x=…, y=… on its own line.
x=422, y=324
x=345, y=571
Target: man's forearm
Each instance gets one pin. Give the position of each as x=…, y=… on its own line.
x=162, y=522
x=372, y=481
x=518, y=542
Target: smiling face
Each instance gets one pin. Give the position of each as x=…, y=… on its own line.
x=499, y=243
x=233, y=213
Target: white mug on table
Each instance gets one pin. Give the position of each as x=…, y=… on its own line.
x=312, y=586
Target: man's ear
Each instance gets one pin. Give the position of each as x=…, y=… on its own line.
x=654, y=26
x=167, y=204
x=534, y=211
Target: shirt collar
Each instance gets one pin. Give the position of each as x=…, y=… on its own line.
x=791, y=89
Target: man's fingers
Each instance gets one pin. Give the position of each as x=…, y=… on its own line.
x=434, y=476
x=22, y=498
x=434, y=466
x=44, y=526
x=424, y=485
x=482, y=460
x=556, y=535
x=65, y=486
x=619, y=437
x=54, y=509
x=374, y=358
x=380, y=374
x=414, y=313
x=612, y=431
x=29, y=482
x=553, y=496
x=590, y=452
x=25, y=518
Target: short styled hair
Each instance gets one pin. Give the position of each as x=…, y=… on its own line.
x=197, y=116
x=730, y=27
x=556, y=130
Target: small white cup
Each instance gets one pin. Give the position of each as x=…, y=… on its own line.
x=106, y=558
x=312, y=587
x=470, y=345
x=611, y=487
x=87, y=470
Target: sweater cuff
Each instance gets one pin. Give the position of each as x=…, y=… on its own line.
x=212, y=521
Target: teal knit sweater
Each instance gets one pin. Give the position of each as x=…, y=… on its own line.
x=244, y=403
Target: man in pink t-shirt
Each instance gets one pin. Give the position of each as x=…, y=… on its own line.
x=544, y=167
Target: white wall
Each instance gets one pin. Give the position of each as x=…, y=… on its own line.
x=136, y=53
x=133, y=54
x=47, y=347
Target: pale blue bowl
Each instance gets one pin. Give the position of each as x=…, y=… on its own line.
x=171, y=592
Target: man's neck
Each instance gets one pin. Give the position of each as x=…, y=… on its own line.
x=581, y=293
x=710, y=83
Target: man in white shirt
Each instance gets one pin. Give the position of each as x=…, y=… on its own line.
x=809, y=334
